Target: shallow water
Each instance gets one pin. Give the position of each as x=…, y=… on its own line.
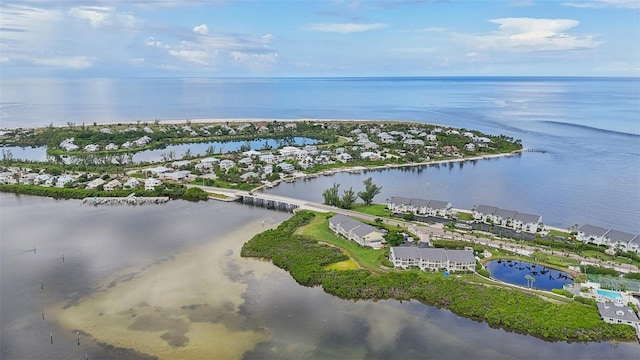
x=169, y=278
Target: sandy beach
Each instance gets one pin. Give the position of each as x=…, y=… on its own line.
x=184, y=307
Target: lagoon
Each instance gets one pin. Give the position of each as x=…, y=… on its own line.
x=514, y=272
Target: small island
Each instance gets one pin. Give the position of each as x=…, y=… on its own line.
x=107, y=160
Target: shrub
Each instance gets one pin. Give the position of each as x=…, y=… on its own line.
x=585, y=300
x=563, y=292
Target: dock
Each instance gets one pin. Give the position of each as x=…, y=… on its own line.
x=129, y=200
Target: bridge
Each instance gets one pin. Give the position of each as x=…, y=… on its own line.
x=268, y=201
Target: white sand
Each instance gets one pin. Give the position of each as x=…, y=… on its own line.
x=137, y=313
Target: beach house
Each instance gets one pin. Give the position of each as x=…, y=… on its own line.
x=432, y=259
x=150, y=184
x=398, y=205
x=616, y=313
x=518, y=221
x=592, y=234
x=354, y=230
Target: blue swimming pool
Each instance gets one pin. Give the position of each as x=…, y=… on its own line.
x=610, y=294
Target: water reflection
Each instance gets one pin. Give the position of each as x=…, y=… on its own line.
x=169, y=281
x=527, y=274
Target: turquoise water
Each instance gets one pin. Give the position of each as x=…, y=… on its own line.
x=610, y=294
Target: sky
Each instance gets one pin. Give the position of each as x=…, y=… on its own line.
x=270, y=38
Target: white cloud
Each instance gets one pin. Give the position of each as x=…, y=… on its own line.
x=215, y=51
x=201, y=29
x=345, y=28
x=529, y=34
x=136, y=61
x=67, y=62
x=94, y=14
x=194, y=56
x=598, y=4
x=99, y=16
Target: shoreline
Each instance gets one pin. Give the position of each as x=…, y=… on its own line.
x=224, y=120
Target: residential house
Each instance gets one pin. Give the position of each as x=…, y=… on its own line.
x=62, y=180
x=91, y=148
x=43, y=179
x=226, y=164
x=68, y=145
x=180, y=164
x=432, y=259
x=127, y=145
x=158, y=170
x=204, y=167
x=251, y=153
x=592, y=234
x=470, y=147
x=7, y=178
x=177, y=176
x=245, y=161
x=150, y=184
x=363, y=234
x=399, y=204
x=288, y=150
x=142, y=141
x=527, y=222
x=268, y=158
x=622, y=240
x=369, y=155
x=518, y=221
x=27, y=178
x=617, y=313
x=93, y=184
x=344, y=157
x=484, y=213
x=246, y=176
x=112, y=185
x=286, y=167
x=131, y=183
x=209, y=160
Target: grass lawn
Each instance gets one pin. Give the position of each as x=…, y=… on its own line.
x=559, y=233
x=373, y=209
x=319, y=230
x=464, y=216
x=349, y=264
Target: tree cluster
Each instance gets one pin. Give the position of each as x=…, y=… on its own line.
x=331, y=195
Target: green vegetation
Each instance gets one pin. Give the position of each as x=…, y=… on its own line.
x=300, y=253
x=318, y=228
x=588, y=269
x=370, y=191
x=633, y=276
x=373, y=209
x=394, y=238
x=464, y=216
x=563, y=292
x=173, y=192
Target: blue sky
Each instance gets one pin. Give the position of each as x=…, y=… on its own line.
x=155, y=38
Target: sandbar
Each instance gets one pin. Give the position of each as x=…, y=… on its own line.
x=186, y=307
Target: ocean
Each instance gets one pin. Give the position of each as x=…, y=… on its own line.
x=589, y=129
x=94, y=264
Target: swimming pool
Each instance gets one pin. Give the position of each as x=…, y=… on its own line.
x=610, y=294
